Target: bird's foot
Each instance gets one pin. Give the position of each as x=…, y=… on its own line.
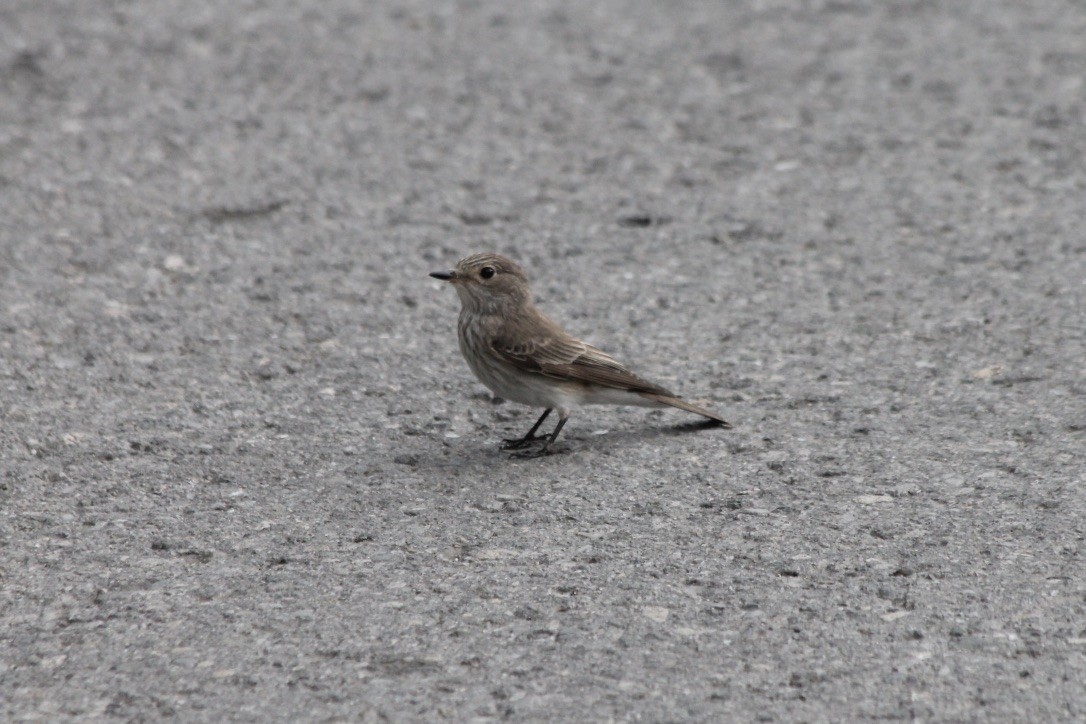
x=536, y=452
x=543, y=446
x=519, y=443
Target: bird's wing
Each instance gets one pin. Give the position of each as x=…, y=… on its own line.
x=562, y=357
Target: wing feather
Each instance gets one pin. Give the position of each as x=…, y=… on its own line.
x=563, y=357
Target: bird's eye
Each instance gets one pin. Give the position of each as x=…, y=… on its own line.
x=486, y=272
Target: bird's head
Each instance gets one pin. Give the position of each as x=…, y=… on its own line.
x=487, y=281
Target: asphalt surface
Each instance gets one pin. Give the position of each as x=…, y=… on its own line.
x=245, y=474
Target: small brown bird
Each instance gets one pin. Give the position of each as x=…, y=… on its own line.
x=523, y=356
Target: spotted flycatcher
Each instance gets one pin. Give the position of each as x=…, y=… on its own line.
x=521, y=355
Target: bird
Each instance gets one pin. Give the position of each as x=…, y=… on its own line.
x=522, y=355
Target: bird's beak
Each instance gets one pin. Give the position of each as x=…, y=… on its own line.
x=444, y=275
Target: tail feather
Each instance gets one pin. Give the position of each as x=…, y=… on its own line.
x=688, y=406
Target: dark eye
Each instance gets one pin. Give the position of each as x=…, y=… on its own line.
x=486, y=272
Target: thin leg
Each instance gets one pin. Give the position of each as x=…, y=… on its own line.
x=547, y=440
x=557, y=429
x=517, y=443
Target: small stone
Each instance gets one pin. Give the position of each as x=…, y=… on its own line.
x=988, y=373
x=175, y=263
x=658, y=614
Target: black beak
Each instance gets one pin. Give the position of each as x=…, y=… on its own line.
x=446, y=276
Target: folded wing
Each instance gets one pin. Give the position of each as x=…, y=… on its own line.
x=566, y=358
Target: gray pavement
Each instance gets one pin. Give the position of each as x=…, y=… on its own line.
x=245, y=475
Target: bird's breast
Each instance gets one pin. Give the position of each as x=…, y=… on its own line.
x=503, y=378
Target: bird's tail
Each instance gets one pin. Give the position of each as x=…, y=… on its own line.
x=689, y=407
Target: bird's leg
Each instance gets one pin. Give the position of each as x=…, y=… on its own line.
x=517, y=443
x=547, y=440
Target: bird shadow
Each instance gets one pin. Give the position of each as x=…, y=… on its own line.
x=578, y=442
x=480, y=457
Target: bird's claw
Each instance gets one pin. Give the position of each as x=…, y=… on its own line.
x=535, y=446
x=538, y=452
x=519, y=443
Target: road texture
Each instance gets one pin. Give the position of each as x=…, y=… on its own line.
x=245, y=474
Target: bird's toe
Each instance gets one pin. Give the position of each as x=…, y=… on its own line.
x=519, y=443
x=537, y=451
